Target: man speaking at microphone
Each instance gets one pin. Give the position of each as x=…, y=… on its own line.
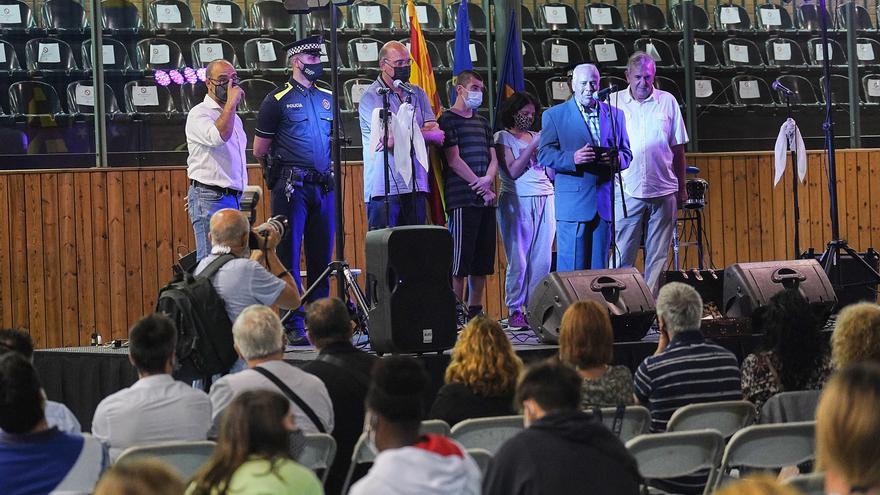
x=411, y=126
x=654, y=184
x=579, y=141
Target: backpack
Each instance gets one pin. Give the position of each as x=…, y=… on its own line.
x=204, y=332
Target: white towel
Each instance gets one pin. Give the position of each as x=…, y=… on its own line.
x=789, y=133
x=407, y=139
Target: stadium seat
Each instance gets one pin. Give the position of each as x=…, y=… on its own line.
x=658, y=49
x=560, y=52
x=434, y=54
x=222, y=15
x=120, y=16
x=732, y=17
x=646, y=17
x=559, y=17
x=768, y=447
x=670, y=86
x=114, y=55
x=185, y=457
x=741, y=52
x=428, y=17
x=368, y=16
x=318, y=453
x=558, y=90
x=145, y=97
x=867, y=51
x=270, y=16
x=871, y=87
x=861, y=17
x=727, y=417
x=352, y=91
x=170, y=15
x=607, y=52
x=20, y=17
x=808, y=17
x=325, y=57
x=81, y=98
x=772, y=17
x=10, y=58
x=784, y=52
x=709, y=91
x=704, y=53
x=486, y=433
x=618, y=82
x=804, y=93
x=319, y=20
x=265, y=54
x=33, y=98
x=602, y=17
x=839, y=89
x=476, y=16
x=479, y=57
x=815, y=52
x=750, y=90
x=667, y=455
x=533, y=90
x=364, y=54
x=528, y=21
x=63, y=15
x=206, y=50
x=529, y=57
x=255, y=91
x=698, y=16
x=49, y=55
x=158, y=53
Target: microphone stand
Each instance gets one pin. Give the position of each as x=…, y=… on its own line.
x=794, y=180
x=615, y=172
x=386, y=118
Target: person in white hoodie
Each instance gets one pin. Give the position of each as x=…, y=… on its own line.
x=407, y=462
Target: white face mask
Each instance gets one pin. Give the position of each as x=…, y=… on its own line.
x=474, y=99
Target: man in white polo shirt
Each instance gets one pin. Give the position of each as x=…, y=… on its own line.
x=654, y=183
x=216, y=141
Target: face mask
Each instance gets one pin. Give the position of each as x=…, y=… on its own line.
x=523, y=122
x=401, y=74
x=313, y=71
x=220, y=91
x=474, y=99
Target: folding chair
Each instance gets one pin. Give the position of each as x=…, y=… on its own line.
x=486, y=433
x=674, y=454
x=185, y=457
x=435, y=426
x=318, y=453
x=727, y=417
x=636, y=421
x=808, y=484
x=481, y=457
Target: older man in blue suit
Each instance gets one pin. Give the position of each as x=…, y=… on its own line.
x=576, y=137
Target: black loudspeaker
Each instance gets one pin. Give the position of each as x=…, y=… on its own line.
x=623, y=291
x=748, y=286
x=412, y=306
x=851, y=281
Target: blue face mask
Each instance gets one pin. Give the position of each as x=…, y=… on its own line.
x=474, y=99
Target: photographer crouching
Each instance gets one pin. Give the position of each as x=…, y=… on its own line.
x=255, y=275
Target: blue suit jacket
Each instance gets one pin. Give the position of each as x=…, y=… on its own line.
x=581, y=190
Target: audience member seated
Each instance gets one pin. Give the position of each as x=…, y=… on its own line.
x=409, y=463
x=794, y=355
x=252, y=456
x=856, y=335
x=345, y=371
x=586, y=342
x=259, y=340
x=758, y=485
x=57, y=414
x=156, y=408
x=140, y=477
x=34, y=457
x=481, y=377
x=848, y=429
x=562, y=449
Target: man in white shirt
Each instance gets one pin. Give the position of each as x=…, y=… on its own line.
x=259, y=340
x=216, y=141
x=156, y=408
x=654, y=183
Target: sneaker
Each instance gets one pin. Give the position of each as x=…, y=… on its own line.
x=461, y=315
x=297, y=338
x=517, y=320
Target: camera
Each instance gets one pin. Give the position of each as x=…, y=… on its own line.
x=278, y=223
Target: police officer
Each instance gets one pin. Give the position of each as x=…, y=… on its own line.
x=293, y=136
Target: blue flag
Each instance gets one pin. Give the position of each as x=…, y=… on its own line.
x=462, y=53
x=511, y=79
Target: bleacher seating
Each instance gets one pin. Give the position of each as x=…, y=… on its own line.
x=21, y=22
x=170, y=16
x=270, y=16
x=191, y=95
x=839, y=89
x=352, y=91
x=709, y=91
x=670, y=86
x=255, y=91
x=816, y=52
x=784, y=52
x=732, y=17
x=809, y=18
x=10, y=58
x=367, y=15
x=33, y=98
x=750, y=90
x=206, y=50
x=704, y=54
x=114, y=55
x=607, y=52
x=804, y=93
x=602, y=17
x=145, y=97
x=428, y=17
x=479, y=57
x=319, y=21
x=741, y=52
x=558, y=89
x=476, y=17
x=528, y=21
x=867, y=51
x=63, y=15
x=265, y=55
x=772, y=17
x=364, y=54
x=158, y=53
x=698, y=16
x=861, y=19
x=49, y=55
x=222, y=15
x=437, y=61
x=81, y=98
x=559, y=17
x=658, y=49
x=646, y=17
x=871, y=87
x=120, y=16
x=561, y=52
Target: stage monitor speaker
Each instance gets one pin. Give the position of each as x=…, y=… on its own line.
x=412, y=306
x=748, y=286
x=851, y=281
x=623, y=291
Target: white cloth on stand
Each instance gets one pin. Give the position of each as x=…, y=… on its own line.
x=789, y=138
x=406, y=140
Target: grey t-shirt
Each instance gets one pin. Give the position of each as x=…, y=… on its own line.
x=242, y=282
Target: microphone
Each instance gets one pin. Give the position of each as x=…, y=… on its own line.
x=603, y=93
x=405, y=87
x=778, y=86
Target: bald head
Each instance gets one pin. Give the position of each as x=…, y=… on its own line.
x=584, y=81
x=393, y=48
x=218, y=67
x=229, y=228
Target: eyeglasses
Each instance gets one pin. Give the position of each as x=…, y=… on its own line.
x=223, y=81
x=399, y=63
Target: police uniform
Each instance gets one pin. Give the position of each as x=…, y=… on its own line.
x=298, y=121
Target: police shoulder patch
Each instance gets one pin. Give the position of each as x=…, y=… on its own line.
x=280, y=94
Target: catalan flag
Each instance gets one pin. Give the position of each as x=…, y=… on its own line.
x=511, y=79
x=422, y=75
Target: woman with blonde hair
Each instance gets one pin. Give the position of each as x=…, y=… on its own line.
x=481, y=377
x=140, y=477
x=848, y=429
x=586, y=342
x=762, y=484
x=856, y=335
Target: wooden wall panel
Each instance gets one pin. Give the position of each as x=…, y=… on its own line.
x=88, y=250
